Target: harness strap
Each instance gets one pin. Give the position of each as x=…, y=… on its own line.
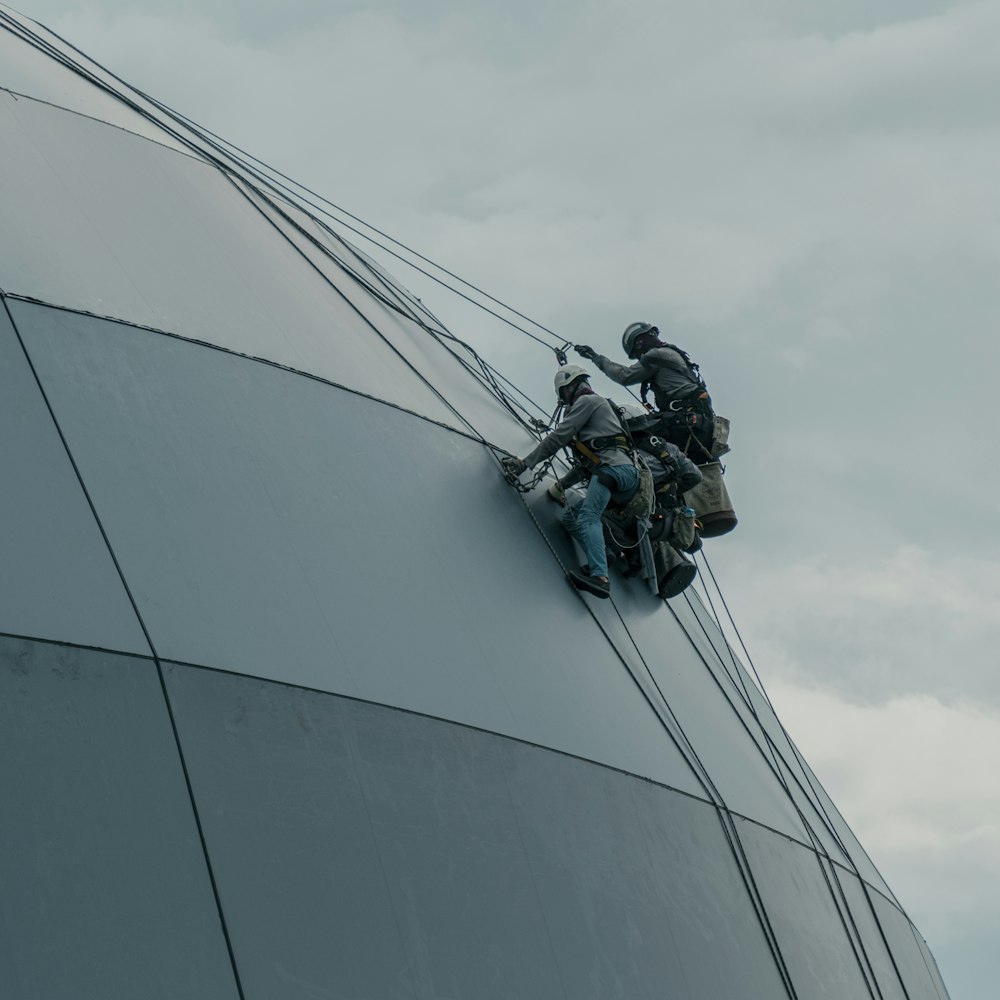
x=588, y=453
x=693, y=369
x=590, y=448
x=614, y=441
x=594, y=460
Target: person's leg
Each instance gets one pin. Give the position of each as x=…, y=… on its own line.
x=627, y=479
x=583, y=522
x=573, y=501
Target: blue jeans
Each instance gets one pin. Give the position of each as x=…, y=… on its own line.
x=582, y=518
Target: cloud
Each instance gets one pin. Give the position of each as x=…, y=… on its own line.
x=915, y=778
x=904, y=621
x=805, y=196
x=709, y=165
x=789, y=203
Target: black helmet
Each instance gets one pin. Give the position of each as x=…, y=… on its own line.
x=633, y=332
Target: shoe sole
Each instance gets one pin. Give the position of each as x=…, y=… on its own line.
x=585, y=583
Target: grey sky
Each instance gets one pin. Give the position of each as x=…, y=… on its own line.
x=805, y=196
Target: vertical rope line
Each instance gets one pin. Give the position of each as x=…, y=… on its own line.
x=818, y=800
x=817, y=845
x=700, y=771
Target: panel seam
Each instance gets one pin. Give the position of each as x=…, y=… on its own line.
x=32, y=300
x=156, y=660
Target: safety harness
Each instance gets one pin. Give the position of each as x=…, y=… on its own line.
x=646, y=515
x=693, y=373
x=592, y=461
x=685, y=422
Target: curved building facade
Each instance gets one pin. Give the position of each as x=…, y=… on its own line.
x=295, y=700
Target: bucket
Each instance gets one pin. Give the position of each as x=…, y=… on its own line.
x=710, y=499
x=674, y=572
x=720, y=436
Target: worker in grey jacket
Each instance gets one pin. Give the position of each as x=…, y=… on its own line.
x=592, y=427
x=677, y=385
x=670, y=467
x=672, y=528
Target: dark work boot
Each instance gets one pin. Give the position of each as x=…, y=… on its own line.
x=591, y=584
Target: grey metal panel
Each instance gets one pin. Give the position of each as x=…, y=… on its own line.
x=428, y=355
x=267, y=523
x=806, y=920
x=826, y=824
x=214, y=271
x=921, y=983
x=110, y=224
x=860, y=904
x=741, y=773
x=44, y=77
x=823, y=839
x=26, y=70
x=406, y=856
x=642, y=895
x=463, y=889
x=666, y=666
x=361, y=258
x=275, y=775
x=58, y=581
x=105, y=888
x=859, y=856
x=932, y=965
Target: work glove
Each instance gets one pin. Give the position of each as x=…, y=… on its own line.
x=512, y=466
x=585, y=352
x=558, y=494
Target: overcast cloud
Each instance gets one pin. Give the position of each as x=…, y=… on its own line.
x=805, y=196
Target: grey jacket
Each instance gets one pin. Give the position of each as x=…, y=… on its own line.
x=663, y=367
x=589, y=416
x=688, y=475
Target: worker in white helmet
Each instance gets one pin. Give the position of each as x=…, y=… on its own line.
x=591, y=426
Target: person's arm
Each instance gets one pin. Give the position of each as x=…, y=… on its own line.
x=575, y=475
x=574, y=420
x=623, y=374
x=688, y=475
x=557, y=491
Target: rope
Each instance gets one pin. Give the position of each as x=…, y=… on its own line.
x=484, y=373
x=770, y=705
x=226, y=158
x=247, y=161
x=244, y=156
x=273, y=180
x=693, y=760
x=489, y=383
x=817, y=802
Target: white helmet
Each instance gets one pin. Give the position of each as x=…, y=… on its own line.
x=633, y=410
x=566, y=376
